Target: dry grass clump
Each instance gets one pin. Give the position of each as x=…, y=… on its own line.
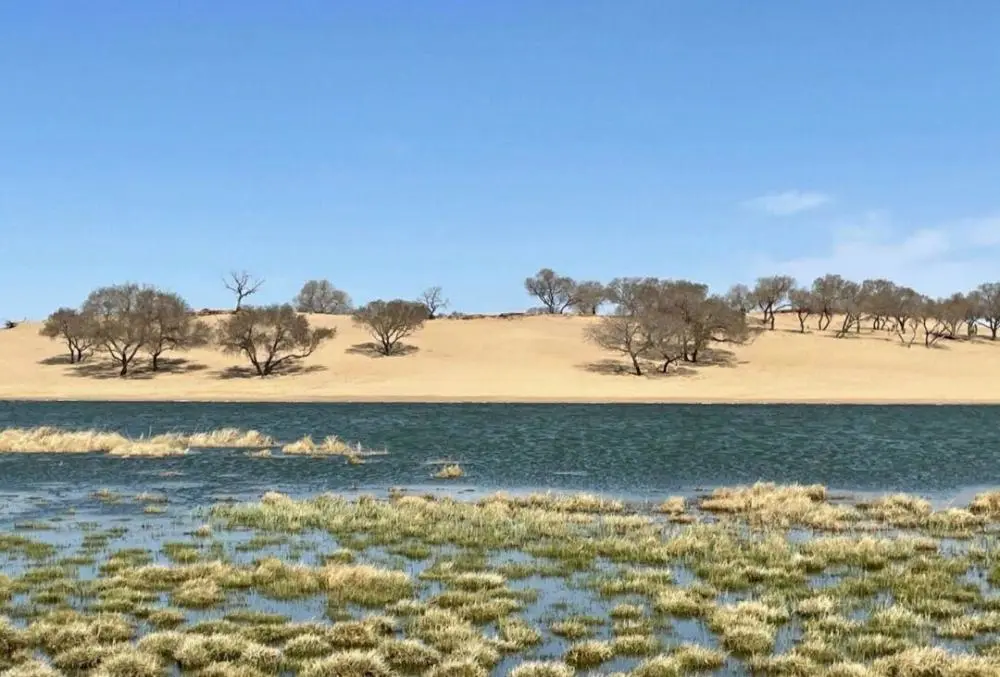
x=199, y=593
x=32, y=668
x=900, y=510
x=409, y=655
x=542, y=669
x=518, y=635
x=364, y=585
x=348, y=664
x=766, y=503
x=557, y=502
x=47, y=439
x=128, y=662
x=450, y=472
x=229, y=438
x=588, y=654
x=934, y=662
x=331, y=445
x=986, y=503
x=458, y=667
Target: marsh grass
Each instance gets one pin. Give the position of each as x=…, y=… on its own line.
x=451, y=471
x=46, y=439
x=776, y=581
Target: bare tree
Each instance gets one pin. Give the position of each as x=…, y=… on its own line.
x=270, y=336
x=740, y=298
x=120, y=322
x=320, y=296
x=953, y=312
x=909, y=324
x=879, y=298
x=851, y=304
x=554, y=291
x=243, y=284
x=433, y=301
x=588, y=297
x=621, y=332
x=666, y=320
x=904, y=306
x=802, y=302
x=171, y=325
x=826, y=292
x=770, y=294
x=389, y=322
x=928, y=314
x=687, y=308
x=73, y=327
x=989, y=307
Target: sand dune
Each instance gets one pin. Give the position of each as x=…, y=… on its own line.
x=530, y=359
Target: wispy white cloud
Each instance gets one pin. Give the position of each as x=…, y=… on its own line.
x=937, y=260
x=788, y=202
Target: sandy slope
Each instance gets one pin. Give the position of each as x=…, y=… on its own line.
x=536, y=358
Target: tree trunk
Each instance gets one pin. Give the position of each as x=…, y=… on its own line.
x=635, y=365
x=71, y=353
x=156, y=362
x=802, y=323
x=124, y=370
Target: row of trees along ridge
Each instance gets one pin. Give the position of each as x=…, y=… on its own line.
x=128, y=320
x=673, y=320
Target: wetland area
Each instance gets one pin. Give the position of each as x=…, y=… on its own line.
x=649, y=540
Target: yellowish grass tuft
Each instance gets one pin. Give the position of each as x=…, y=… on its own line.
x=329, y=446
x=349, y=664
x=986, y=503
x=365, y=585
x=450, y=472
x=230, y=438
x=542, y=669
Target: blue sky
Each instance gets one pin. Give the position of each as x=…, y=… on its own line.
x=390, y=146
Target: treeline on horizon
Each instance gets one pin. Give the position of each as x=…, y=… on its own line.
x=647, y=318
x=668, y=321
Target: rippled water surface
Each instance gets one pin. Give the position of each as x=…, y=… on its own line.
x=640, y=450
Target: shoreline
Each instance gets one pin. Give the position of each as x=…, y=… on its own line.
x=489, y=399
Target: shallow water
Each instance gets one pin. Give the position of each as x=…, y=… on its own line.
x=641, y=451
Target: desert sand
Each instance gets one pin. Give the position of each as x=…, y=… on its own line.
x=529, y=359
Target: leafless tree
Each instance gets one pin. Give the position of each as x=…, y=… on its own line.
x=434, y=301
x=243, y=284
x=803, y=303
x=389, y=322
x=904, y=307
x=770, y=294
x=270, y=336
x=73, y=327
x=171, y=325
x=879, y=298
x=906, y=331
x=320, y=296
x=928, y=314
x=741, y=298
x=989, y=307
x=953, y=312
x=666, y=320
x=588, y=297
x=119, y=321
x=826, y=292
x=621, y=332
x=850, y=304
x=554, y=291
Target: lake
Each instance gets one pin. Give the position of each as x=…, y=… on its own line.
x=639, y=450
